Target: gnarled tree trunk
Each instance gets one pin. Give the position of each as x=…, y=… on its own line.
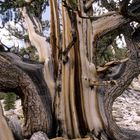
x=27, y=81
x=68, y=80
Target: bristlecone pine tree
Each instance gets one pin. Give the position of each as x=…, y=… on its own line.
x=66, y=94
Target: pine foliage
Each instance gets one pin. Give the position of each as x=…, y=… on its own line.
x=9, y=101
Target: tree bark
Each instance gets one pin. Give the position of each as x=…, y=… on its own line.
x=55, y=35
x=121, y=85
x=43, y=47
x=27, y=81
x=81, y=107
x=82, y=104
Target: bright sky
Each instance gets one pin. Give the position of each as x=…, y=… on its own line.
x=10, y=41
x=13, y=41
x=46, y=14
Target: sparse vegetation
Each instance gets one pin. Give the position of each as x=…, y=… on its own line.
x=2, y=95
x=9, y=101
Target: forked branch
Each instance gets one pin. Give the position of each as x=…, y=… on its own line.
x=132, y=70
x=81, y=15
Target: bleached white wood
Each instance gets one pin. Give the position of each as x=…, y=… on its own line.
x=5, y=132
x=43, y=48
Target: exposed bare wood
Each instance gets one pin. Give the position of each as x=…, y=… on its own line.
x=84, y=16
x=44, y=50
x=67, y=49
x=68, y=116
x=111, y=63
x=81, y=99
x=88, y=73
x=55, y=35
x=95, y=17
x=105, y=25
x=5, y=132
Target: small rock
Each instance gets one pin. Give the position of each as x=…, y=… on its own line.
x=39, y=136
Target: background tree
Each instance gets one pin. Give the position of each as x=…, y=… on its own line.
x=63, y=94
x=9, y=101
x=2, y=95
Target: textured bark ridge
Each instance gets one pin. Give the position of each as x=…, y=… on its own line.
x=132, y=70
x=27, y=81
x=84, y=106
x=43, y=48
